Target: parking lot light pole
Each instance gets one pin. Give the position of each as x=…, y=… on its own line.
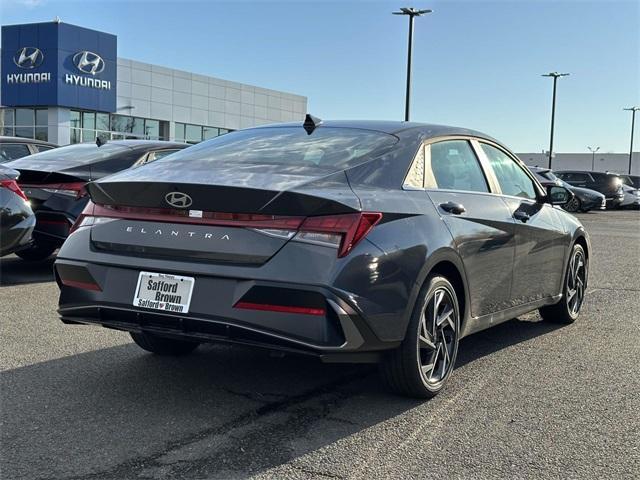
x=555, y=76
x=593, y=157
x=633, y=111
x=411, y=13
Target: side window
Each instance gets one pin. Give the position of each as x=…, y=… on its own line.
x=161, y=154
x=13, y=151
x=415, y=177
x=576, y=177
x=452, y=165
x=511, y=177
x=43, y=148
x=153, y=156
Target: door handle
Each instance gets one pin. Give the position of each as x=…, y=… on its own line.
x=522, y=216
x=453, y=207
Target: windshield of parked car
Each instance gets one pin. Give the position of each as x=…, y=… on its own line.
x=324, y=147
x=627, y=180
x=550, y=176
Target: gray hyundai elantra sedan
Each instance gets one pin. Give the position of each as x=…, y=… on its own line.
x=355, y=241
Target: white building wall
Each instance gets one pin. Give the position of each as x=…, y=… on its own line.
x=602, y=162
x=58, y=127
x=161, y=93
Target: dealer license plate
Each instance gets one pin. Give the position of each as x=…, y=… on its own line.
x=162, y=291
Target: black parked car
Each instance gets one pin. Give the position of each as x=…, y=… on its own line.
x=16, y=217
x=631, y=180
x=54, y=181
x=353, y=241
x=583, y=199
x=12, y=148
x=609, y=184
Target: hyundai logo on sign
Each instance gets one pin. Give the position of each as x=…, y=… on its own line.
x=56, y=64
x=178, y=199
x=28, y=57
x=88, y=62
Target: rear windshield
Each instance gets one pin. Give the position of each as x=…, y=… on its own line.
x=325, y=147
x=78, y=154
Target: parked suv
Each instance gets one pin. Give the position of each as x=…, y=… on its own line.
x=583, y=199
x=631, y=180
x=12, y=148
x=609, y=184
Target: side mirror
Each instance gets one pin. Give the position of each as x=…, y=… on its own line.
x=558, y=195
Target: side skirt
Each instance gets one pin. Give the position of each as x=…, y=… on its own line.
x=477, y=324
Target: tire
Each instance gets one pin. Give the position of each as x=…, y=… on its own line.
x=422, y=364
x=567, y=310
x=575, y=205
x=37, y=252
x=163, y=345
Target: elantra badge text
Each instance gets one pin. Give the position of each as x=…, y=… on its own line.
x=175, y=233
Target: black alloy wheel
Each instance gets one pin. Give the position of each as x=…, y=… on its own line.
x=574, y=205
x=421, y=366
x=567, y=310
x=576, y=280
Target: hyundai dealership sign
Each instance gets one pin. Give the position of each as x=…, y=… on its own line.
x=57, y=64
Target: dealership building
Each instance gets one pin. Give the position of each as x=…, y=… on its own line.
x=66, y=84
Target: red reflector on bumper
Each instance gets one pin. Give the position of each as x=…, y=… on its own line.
x=84, y=285
x=265, y=307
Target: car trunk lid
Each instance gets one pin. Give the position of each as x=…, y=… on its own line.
x=232, y=215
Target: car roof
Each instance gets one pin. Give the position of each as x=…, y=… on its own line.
x=33, y=141
x=426, y=130
x=587, y=171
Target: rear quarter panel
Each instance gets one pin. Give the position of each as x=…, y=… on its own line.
x=410, y=239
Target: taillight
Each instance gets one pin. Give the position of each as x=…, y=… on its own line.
x=343, y=231
x=85, y=217
x=71, y=189
x=13, y=186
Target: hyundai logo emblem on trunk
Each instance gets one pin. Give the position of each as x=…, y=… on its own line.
x=88, y=62
x=28, y=57
x=178, y=199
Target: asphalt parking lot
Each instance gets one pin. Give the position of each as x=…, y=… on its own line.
x=527, y=399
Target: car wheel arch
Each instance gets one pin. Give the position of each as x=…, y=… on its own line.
x=447, y=263
x=580, y=238
x=582, y=241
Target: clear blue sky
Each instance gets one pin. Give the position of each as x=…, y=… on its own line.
x=476, y=64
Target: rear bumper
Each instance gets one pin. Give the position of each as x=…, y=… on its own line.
x=52, y=227
x=593, y=203
x=615, y=201
x=339, y=335
x=17, y=237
